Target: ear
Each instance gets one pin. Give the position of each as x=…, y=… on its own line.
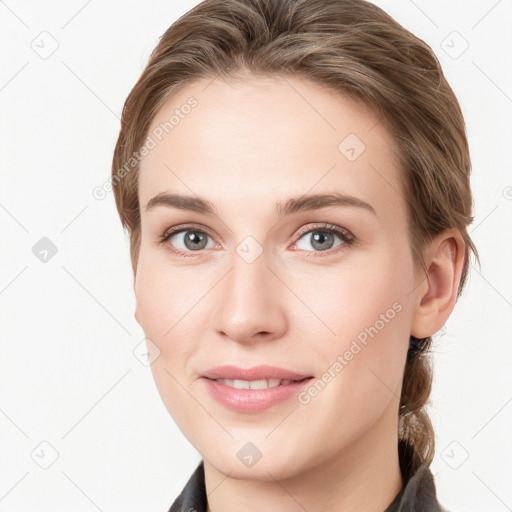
x=436, y=295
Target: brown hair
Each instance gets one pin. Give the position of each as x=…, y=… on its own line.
x=354, y=48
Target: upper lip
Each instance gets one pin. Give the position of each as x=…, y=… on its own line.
x=255, y=373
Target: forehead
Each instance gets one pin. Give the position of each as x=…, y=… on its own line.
x=262, y=139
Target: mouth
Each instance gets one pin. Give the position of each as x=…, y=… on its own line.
x=254, y=389
x=257, y=384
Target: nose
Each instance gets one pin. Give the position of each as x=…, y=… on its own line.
x=250, y=302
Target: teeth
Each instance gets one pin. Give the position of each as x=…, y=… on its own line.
x=253, y=384
x=263, y=384
x=240, y=384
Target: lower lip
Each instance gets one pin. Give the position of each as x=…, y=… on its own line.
x=253, y=400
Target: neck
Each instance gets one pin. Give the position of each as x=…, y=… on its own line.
x=363, y=476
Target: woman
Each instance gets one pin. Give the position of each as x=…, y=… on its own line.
x=294, y=177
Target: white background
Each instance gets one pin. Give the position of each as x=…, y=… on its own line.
x=68, y=374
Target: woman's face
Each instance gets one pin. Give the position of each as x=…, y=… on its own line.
x=260, y=278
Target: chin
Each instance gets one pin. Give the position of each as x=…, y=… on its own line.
x=246, y=462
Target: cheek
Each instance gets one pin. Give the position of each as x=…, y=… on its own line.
x=369, y=312
x=165, y=309
x=357, y=297
x=164, y=294
x=166, y=303
x=362, y=374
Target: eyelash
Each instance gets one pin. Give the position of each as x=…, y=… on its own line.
x=346, y=237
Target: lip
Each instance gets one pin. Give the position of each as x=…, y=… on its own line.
x=253, y=400
x=254, y=373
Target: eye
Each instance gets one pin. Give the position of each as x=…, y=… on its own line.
x=322, y=238
x=185, y=239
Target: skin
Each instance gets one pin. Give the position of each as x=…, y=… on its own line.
x=247, y=145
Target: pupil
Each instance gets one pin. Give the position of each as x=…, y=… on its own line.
x=319, y=240
x=193, y=240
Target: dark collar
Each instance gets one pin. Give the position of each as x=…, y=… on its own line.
x=419, y=491
x=417, y=495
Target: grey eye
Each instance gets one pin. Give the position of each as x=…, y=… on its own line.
x=320, y=240
x=191, y=240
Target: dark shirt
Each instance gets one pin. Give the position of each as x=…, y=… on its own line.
x=417, y=495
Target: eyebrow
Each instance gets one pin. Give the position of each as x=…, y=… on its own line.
x=293, y=205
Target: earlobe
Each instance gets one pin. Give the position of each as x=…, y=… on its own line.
x=436, y=299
